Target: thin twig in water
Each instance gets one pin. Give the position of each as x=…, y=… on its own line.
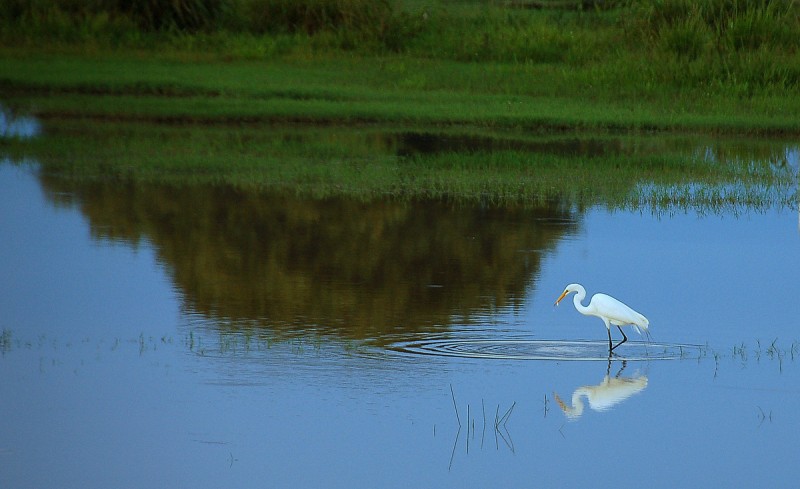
x=508, y=441
x=496, y=431
x=764, y=416
x=467, y=438
x=504, y=419
x=455, y=444
x=483, y=435
x=455, y=406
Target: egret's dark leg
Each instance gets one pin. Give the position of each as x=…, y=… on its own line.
x=624, y=364
x=624, y=338
x=610, y=348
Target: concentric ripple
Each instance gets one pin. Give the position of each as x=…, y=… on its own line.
x=511, y=349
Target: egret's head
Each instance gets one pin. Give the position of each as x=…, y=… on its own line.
x=570, y=288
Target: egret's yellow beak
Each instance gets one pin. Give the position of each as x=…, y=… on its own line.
x=561, y=403
x=561, y=297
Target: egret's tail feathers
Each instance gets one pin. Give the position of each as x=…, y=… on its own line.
x=641, y=324
x=642, y=327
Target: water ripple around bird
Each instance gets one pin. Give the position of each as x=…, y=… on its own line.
x=520, y=349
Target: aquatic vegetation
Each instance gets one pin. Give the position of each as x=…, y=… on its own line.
x=499, y=427
x=265, y=342
x=764, y=416
x=5, y=340
x=412, y=163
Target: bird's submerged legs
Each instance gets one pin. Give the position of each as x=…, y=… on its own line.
x=608, y=369
x=624, y=339
x=624, y=364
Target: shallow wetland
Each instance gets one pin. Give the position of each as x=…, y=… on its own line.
x=167, y=328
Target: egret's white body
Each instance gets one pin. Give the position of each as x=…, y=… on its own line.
x=609, y=309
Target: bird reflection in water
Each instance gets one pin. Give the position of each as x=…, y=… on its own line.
x=607, y=394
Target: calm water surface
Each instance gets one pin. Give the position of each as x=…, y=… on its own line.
x=206, y=337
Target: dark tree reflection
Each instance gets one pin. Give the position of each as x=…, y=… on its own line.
x=356, y=269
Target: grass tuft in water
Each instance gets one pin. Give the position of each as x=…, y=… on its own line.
x=5, y=340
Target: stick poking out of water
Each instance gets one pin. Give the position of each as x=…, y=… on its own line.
x=455, y=406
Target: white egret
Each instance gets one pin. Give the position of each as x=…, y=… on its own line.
x=609, y=309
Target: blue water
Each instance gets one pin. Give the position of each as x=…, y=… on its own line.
x=116, y=373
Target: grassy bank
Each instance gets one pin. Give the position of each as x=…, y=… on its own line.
x=321, y=96
x=712, y=66
x=368, y=90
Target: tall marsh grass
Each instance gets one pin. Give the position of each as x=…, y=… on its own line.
x=735, y=47
x=734, y=24
x=147, y=15
x=744, y=44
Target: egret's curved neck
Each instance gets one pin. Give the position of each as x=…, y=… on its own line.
x=578, y=298
x=577, y=404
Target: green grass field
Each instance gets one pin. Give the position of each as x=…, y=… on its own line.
x=384, y=90
x=221, y=91
x=672, y=65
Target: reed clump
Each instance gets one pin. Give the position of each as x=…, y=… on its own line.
x=745, y=44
